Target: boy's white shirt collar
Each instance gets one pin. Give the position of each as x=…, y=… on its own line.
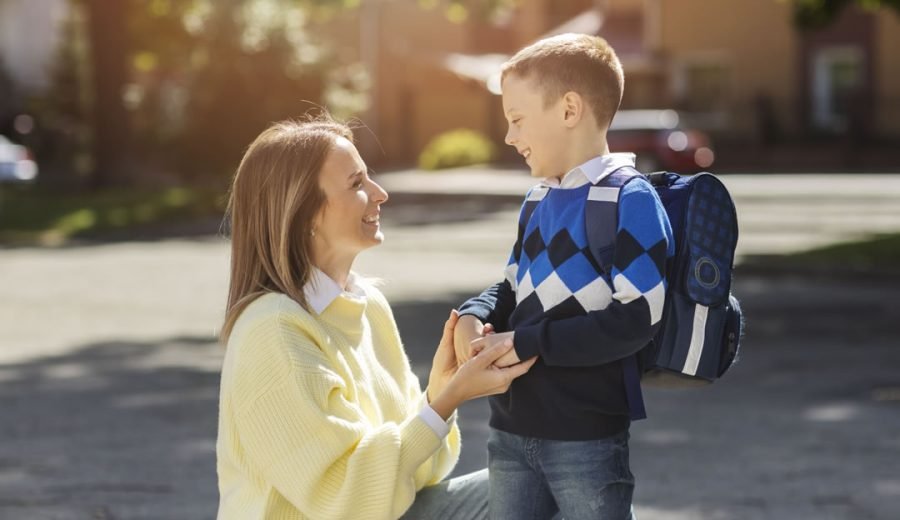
x=321, y=290
x=592, y=171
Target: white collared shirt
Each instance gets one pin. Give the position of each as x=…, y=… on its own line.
x=322, y=290
x=591, y=171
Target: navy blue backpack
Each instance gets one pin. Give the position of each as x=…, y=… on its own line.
x=702, y=322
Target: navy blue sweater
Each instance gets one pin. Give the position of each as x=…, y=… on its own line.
x=580, y=321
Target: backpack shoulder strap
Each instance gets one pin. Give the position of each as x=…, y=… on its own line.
x=601, y=215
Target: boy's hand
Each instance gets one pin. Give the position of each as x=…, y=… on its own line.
x=468, y=328
x=508, y=359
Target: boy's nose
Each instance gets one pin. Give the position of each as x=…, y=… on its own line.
x=510, y=139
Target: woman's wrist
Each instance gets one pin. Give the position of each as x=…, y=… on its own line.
x=445, y=402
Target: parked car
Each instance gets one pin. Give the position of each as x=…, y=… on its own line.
x=16, y=163
x=660, y=141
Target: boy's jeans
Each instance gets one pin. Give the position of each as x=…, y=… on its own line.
x=538, y=478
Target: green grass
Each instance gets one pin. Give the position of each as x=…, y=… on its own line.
x=878, y=253
x=33, y=215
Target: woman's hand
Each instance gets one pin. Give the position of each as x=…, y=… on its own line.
x=508, y=359
x=444, y=364
x=448, y=387
x=467, y=329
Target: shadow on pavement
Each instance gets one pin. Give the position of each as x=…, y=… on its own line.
x=114, y=430
x=804, y=427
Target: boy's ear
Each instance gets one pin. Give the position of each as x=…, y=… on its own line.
x=573, y=106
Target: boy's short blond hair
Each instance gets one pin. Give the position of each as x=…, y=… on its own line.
x=579, y=63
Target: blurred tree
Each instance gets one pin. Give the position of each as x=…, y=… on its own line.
x=109, y=51
x=200, y=74
x=190, y=82
x=461, y=10
x=256, y=64
x=815, y=14
x=7, y=94
x=63, y=115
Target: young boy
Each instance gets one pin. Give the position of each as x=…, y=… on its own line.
x=559, y=436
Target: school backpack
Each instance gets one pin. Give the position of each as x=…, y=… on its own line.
x=702, y=322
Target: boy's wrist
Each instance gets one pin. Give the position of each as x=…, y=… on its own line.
x=469, y=322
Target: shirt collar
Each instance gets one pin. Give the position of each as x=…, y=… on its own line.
x=592, y=171
x=321, y=290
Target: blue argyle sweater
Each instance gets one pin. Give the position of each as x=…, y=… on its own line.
x=579, y=320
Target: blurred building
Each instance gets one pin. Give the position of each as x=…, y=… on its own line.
x=29, y=38
x=745, y=64
x=432, y=73
x=736, y=68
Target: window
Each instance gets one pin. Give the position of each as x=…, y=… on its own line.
x=703, y=83
x=837, y=81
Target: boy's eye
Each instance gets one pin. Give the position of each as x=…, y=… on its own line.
x=516, y=120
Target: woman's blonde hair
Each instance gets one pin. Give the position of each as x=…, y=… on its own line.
x=274, y=200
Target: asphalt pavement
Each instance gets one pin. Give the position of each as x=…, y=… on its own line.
x=109, y=366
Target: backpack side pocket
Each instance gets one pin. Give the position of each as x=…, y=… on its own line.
x=731, y=336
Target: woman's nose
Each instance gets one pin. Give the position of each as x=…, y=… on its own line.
x=379, y=195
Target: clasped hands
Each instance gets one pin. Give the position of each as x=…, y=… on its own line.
x=453, y=381
x=471, y=337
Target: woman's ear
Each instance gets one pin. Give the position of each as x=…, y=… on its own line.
x=573, y=105
x=316, y=222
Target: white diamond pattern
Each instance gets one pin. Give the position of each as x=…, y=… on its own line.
x=525, y=288
x=656, y=298
x=552, y=291
x=510, y=273
x=594, y=296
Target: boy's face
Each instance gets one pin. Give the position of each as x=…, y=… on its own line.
x=537, y=133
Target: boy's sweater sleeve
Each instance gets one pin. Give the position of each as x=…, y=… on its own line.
x=644, y=241
x=494, y=305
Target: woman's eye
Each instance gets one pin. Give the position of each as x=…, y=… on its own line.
x=358, y=184
x=516, y=121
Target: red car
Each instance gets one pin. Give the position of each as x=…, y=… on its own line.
x=660, y=142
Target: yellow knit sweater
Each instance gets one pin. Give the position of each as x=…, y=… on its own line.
x=318, y=415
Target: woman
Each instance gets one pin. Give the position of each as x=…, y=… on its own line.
x=320, y=415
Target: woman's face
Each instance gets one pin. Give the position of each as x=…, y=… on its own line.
x=349, y=221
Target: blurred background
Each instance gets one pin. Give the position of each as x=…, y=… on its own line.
x=122, y=122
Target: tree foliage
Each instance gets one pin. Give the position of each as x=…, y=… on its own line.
x=815, y=14
x=191, y=82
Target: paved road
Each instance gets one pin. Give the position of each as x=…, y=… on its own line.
x=108, y=378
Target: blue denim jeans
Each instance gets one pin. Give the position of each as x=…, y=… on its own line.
x=461, y=498
x=541, y=479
